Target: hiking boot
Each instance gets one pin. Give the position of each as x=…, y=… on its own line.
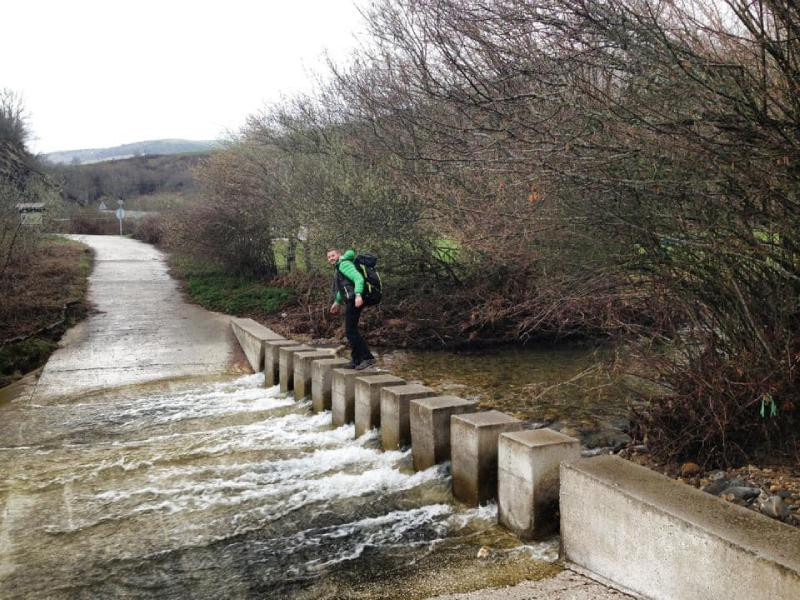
x=365, y=364
x=351, y=365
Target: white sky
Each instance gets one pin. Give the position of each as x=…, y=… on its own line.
x=101, y=73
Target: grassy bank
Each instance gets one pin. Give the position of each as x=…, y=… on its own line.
x=211, y=287
x=42, y=296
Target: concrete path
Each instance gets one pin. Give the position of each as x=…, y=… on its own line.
x=142, y=330
x=567, y=585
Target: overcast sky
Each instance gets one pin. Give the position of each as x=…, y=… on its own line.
x=101, y=73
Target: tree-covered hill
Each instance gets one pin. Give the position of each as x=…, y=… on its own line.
x=126, y=178
x=146, y=148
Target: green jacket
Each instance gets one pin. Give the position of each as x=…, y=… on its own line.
x=348, y=280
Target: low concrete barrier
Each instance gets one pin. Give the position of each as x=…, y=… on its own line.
x=272, y=360
x=527, y=480
x=251, y=336
x=368, y=400
x=302, y=372
x=473, y=451
x=343, y=395
x=623, y=524
x=321, y=381
x=395, y=422
x=429, y=419
x=647, y=534
x=286, y=364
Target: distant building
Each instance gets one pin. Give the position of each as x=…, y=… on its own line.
x=30, y=213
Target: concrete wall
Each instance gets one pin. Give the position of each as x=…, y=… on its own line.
x=343, y=394
x=251, y=336
x=661, y=539
x=429, y=419
x=321, y=381
x=286, y=365
x=272, y=360
x=473, y=452
x=527, y=480
x=303, y=363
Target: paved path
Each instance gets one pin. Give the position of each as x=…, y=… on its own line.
x=142, y=330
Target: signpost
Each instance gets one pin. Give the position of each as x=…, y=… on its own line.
x=120, y=216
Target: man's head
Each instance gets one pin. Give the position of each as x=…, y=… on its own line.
x=333, y=256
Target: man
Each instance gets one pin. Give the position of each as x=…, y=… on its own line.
x=349, y=285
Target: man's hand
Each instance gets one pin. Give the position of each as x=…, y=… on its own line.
x=334, y=309
x=359, y=301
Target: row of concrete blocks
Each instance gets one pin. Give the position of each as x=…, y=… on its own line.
x=491, y=455
x=620, y=523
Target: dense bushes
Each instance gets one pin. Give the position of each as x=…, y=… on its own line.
x=124, y=179
x=150, y=229
x=85, y=221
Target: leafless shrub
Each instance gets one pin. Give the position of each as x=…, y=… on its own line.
x=20, y=182
x=149, y=229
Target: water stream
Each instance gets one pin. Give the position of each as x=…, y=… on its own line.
x=577, y=387
x=224, y=489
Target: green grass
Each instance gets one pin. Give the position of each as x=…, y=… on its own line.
x=212, y=288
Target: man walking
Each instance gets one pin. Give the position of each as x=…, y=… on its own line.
x=349, y=285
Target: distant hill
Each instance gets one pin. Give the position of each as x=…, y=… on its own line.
x=127, y=178
x=160, y=147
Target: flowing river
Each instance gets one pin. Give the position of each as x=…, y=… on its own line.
x=220, y=488
x=582, y=389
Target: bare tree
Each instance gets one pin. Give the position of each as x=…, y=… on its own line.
x=20, y=180
x=13, y=119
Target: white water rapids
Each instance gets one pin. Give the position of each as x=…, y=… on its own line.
x=217, y=489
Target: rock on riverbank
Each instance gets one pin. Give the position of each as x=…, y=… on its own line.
x=772, y=491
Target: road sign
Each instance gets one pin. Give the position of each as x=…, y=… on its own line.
x=120, y=216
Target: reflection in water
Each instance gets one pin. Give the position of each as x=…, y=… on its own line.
x=226, y=489
x=570, y=383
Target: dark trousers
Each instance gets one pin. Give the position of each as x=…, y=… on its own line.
x=358, y=346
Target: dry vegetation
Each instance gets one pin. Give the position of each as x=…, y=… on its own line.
x=125, y=179
x=43, y=295
x=42, y=279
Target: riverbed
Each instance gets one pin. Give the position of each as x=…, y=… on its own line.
x=579, y=388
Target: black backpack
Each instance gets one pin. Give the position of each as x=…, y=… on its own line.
x=373, y=291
